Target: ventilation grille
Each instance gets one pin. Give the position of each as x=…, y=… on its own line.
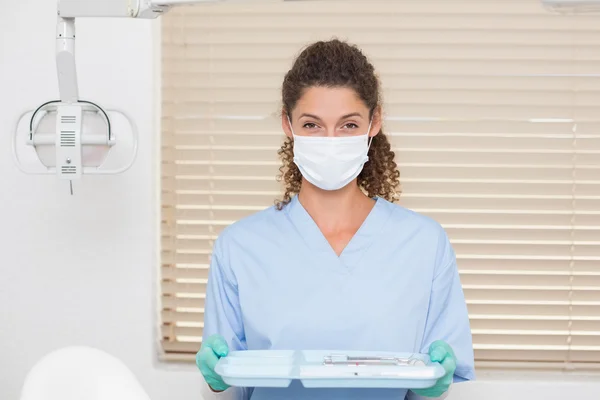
x=67, y=138
x=68, y=169
x=68, y=119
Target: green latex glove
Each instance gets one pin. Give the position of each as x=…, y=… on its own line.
x=213, y=348
x=441, y=352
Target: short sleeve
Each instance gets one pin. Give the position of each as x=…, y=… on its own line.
x=222, y=313
x=447, y=317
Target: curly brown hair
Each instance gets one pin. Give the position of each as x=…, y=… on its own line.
x=337, y=64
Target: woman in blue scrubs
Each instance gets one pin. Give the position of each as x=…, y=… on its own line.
x=335, y=264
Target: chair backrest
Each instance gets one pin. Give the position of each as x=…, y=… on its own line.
x=81, y=373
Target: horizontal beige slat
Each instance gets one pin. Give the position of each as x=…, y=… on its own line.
x=221, y=208
x=406, y=67
x=500, y=159
x=420, y=96
x=172, y=332
x=175, y=316
x=172, y=302
x=452, y=43
x=492, y=336
x=556, y=306
x=529, y=317
x=516, y=267
x=556, y=149
x=561, y=367
x=480, y=250
x=370, y=33
x=580, y=217
x=520, y=354
x=530, y=250
x=420, y=202
x=532, y=272
x=198, y=252
x=523, y=295
x=184, y=273
x=248, y=199
x=517, y=286
x=583, y=292
x=591, y=311
x=180, y=288
x=399, y=52
x=482, y=202
x=457, y=233
x=201, y=257
x=409, y=200
x=523, y=276
x=187, y=260
x=534, y=324
x=537, y=340
x=555, y=281
x=214, y=157
x=484, y=298
x=582, y=233
x=180, y=347
x=449, y=216
x=263, y=108
x=269, y=162
x=440, y=155
x=536, y=266
x=440, y=189
x=521, y=336
x=174, y=172
x=270, y=125
x=422, y=81
x=537, y=175
x=551, y=126
x=207, y=140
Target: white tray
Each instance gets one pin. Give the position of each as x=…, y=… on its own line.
x=329, y=369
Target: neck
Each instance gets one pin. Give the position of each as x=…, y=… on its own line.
x=333, y=210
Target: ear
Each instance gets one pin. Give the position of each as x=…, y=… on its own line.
x=285, y=124
x=377, y=122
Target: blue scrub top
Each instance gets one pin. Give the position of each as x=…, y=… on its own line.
x=275, y=283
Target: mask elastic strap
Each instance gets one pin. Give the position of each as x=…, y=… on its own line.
x=370, y=137
x=291, y=127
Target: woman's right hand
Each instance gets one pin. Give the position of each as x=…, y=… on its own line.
x=213, y=348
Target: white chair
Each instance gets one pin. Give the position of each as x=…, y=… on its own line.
x=81, y=373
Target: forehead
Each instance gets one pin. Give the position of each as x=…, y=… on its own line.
x=330, y=101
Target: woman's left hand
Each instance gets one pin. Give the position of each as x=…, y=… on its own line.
x=441, y=352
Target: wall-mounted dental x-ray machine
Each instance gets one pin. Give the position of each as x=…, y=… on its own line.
x=70, y=137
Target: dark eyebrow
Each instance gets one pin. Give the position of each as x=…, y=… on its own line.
x=354, y=114
x=310, y=116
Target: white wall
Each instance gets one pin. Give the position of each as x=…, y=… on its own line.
x=81, y=270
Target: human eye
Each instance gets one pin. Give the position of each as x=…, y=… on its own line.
x=310, y=125
x=350, y=125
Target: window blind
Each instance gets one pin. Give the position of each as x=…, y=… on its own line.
x=493, y=110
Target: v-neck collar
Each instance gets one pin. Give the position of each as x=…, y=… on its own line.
x=356, y=247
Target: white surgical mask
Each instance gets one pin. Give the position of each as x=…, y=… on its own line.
x=330, y=163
